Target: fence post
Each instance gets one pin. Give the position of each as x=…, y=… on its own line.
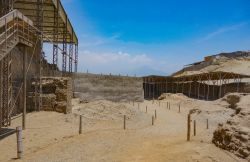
x=207, y=124
x=155, y=114
x=153, y=120
x=179, y=108
x=80, y=125
x=146, y=109
x=188, y=127
x=194, y=127
x=19, y=142
x=124, y=122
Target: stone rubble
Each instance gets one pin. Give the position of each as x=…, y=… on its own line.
x=57, y=94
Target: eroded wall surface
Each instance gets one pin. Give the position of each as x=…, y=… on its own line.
x=91, y=87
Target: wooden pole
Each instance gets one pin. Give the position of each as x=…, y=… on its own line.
x=146, y=109
x=80, y=125
x=124, y=122
x=153, y=120
x=207, y=124
x=194, y=128
x=188, y=127
x=189, y=92
x=179, y=108
x=19, y=142
x=1, y=92
x=24, y=88
x=155, y=114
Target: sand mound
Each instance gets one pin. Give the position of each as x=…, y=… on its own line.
x=234, y=135
x=172, y=96
x=105, y=110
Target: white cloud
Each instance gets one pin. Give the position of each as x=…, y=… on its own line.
x=119, y=63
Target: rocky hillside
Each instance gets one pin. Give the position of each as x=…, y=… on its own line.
x=234, y=135
x=236, y=62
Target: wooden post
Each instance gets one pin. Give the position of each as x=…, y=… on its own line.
x=155, y=114
x=153, y=120
x=194, y=128
x=207, y=124
x=19, y=142
x=179, y=108
x=169, y=105
x=24, y=88
x=188, y=127
x=1, y=92
x=124, y=122
x=146, y=109
x=80, y=125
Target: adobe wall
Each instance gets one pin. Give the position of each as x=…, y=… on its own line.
x=108, y=87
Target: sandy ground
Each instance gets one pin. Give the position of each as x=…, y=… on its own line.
x=53, y=137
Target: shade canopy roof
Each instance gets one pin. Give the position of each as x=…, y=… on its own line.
x=51, y=8
x=218, y=75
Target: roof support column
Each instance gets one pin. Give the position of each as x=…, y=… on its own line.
x=55, y=44
x=71, y=50
x=24, y=88
x=220, y=93
x=64, y=52
x=238, y=84
x=76, y=57
x=190, y=88
x=1, y=93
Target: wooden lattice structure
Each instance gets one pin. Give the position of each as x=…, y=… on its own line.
x=208, y=86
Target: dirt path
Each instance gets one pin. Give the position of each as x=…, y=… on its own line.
x=141, y=142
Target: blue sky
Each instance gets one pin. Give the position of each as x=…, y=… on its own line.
x=155, y=36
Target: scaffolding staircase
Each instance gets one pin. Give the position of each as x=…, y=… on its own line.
x=15, y=29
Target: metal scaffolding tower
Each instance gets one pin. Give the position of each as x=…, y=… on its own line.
x=30, y=24
x=76, y=57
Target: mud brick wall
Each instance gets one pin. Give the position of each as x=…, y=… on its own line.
x=91, y=87
x=57, y=95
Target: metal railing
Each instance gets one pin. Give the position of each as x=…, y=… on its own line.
x=15, y=28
